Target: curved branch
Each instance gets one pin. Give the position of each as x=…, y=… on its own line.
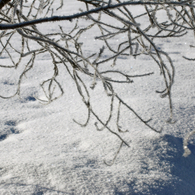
x=85, y=13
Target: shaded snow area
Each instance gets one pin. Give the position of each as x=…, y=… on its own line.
x=44, y=152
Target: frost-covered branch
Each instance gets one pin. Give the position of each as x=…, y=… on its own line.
x=88, y=12
x=112, y=20
x=187, y=151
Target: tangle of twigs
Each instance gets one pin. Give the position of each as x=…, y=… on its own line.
x=20, y=20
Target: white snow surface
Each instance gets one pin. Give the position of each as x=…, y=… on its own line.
x=44, y=152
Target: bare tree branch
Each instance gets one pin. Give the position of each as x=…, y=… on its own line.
x=102, y=66
x=79, y=15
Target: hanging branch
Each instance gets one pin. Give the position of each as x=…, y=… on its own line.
x=100, y=66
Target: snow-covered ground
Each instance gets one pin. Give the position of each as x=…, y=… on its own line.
x=43, y=152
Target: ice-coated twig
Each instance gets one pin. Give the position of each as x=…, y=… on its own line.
x=119, y=34
x=187, y=151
